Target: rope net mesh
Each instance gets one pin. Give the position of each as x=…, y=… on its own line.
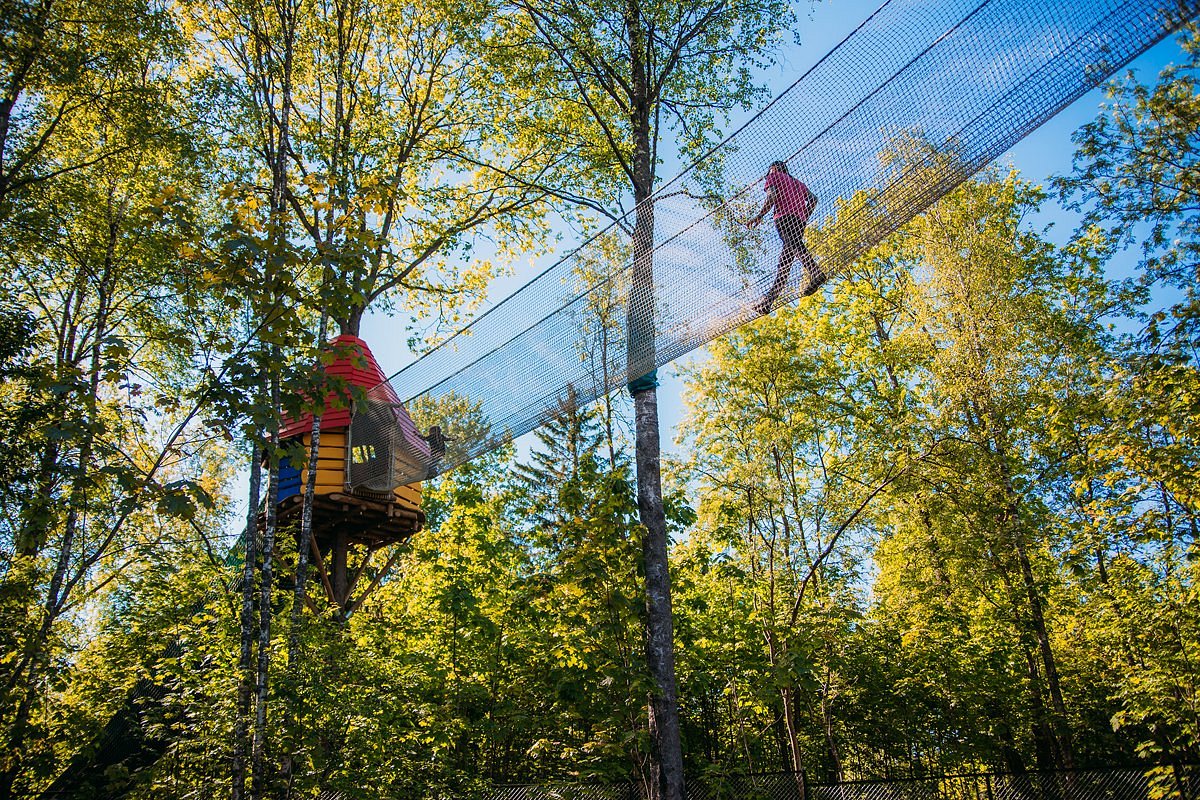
x=911, y=104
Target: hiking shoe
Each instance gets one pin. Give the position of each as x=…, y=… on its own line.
x=816, y=279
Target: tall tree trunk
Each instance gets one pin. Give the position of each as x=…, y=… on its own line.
x=787, y=696
x=660, y=650
x=241, y=725
x=304, y=543
x=259, y=776
x=790, y=735
x=835, y=755
x=666, y=749
x=1059, y=721
x=1043, y=735
x=278, y=59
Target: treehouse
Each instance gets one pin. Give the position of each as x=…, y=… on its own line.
x=368, y=455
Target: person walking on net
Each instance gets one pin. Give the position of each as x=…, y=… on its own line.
x=793, y=204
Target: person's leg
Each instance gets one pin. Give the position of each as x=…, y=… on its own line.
x=787, y=230
x=814, y=276
x=783, y=271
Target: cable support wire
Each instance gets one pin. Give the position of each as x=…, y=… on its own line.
x=915, y=101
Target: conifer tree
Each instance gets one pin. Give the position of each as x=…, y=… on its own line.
x=581, y=517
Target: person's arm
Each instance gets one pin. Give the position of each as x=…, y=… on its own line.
x=810, y=202
x=767, y=206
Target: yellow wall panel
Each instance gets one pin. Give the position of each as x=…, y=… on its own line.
x=323, y=465
x=329, y=456
x=331, y=477
x=328, y=438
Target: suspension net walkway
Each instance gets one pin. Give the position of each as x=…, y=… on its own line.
x=912, y=103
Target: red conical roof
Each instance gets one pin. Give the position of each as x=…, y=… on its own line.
x=358, y=367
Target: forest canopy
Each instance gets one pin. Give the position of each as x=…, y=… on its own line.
x=940, y=518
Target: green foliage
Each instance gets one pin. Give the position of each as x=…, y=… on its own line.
x=615, y=82
x=946, y=521
x=1134, y=533
x=947, y=413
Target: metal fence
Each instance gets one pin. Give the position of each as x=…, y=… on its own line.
x=1115, y=784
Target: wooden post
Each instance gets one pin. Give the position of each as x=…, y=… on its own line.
x=340, y=557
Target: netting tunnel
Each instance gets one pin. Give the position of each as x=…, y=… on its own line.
x=915, y=101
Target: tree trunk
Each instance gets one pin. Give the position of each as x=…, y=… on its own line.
x=789, y=736
x=787, y=695
x=340, y=569
x=666, y=749
x=660, y=652
x=1043, y=735
x=353, y=321
x=259, y=775
x=241, y=725
x=278, y=103
x=1060, y=723
x=306, y=514
x=835, y=755
x=304, y=544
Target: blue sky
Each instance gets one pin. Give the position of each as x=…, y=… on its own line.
x=1045, y=152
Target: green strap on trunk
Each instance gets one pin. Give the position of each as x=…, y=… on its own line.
x=647, y=381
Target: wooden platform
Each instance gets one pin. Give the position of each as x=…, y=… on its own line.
x=362, y=521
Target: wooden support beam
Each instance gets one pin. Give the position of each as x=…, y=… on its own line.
x=379, y=576
x=339, y=556
x=320, y=562
x=362, y=565
x=343, y=523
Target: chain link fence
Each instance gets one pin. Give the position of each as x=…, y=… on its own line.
x=1164, y=783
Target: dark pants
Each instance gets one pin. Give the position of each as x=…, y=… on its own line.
x=791, y=233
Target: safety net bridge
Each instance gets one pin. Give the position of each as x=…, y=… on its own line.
x=912, y=103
